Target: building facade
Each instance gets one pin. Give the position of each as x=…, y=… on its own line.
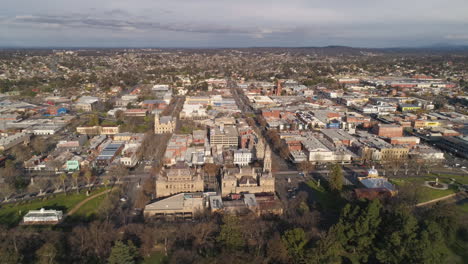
x=177, y=179
x=164, y=124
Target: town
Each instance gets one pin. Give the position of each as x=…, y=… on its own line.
x=257, y=141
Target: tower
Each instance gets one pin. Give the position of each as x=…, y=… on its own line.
x=278, y=88
x=260, y=149
x=267, y=159
x=156, y=123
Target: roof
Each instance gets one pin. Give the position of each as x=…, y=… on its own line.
x=250, y=200
x=372, y=183
x=179, y=201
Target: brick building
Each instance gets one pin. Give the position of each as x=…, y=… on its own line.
x=384, y=130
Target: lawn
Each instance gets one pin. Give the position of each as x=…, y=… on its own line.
x=426, y=193
x=155, y=258
x=11, y=214
x=324, y=198
x=458, y=178
x=91, y=207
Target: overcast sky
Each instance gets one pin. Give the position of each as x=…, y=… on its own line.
x=232, y=23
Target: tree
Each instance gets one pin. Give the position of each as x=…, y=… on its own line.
x=88, y=175
x=6, y=191
x=122, y=253
x=398, y=238
x=21, y=153
x=9, y=256
x=357, y=228
x=276, y=250
x=47, y=254
x=230, y=236
x=336, y=178
x=63, y=178
x=39, y=145
x=119, y=171
x=295, y=241
x=305, y=166
x=76, y=178
x=93, y=120
x=41, y=184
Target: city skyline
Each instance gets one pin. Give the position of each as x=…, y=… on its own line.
x=209, y=23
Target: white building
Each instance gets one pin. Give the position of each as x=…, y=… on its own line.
x=43, y=216
x=242, y=157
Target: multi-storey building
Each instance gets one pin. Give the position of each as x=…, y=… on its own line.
x=224, y=136
x=177, y=179
x=249, y=179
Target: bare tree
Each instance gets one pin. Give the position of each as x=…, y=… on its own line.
x=118, y=172
x=395, y=165
x=76, y=177
x=88, y=175
x=305, y=166
x=42, y=184
x=6, y=191
x=63, y=179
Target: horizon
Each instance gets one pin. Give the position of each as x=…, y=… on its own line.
x=222, y=24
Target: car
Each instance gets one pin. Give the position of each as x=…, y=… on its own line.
x=463, y=167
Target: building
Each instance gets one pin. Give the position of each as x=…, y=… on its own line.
x=42, y=216
x=224, y=136
x=109, y=153
x=87, y=103
x=164, y=124
x=456, y=145
x=13, y=140
x=177, y=179
x=98, y=130
x=388, y=130
x=182, y=206
x=242, y=157
x=375, y=186
x=248, y=179
x=136, y=112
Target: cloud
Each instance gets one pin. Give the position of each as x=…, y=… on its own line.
x=242, y=22
x=84, y=21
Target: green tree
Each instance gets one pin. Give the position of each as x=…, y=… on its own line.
x=230, y=236
x=336, y=178
x=47, y=254
x=431, y=247
x=397, y=238
x=357, y=228
x=328, y=249
x=295, y=241
x=93, y=120
x=122, y=253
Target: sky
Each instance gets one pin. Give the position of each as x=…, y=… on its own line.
x=232, y=23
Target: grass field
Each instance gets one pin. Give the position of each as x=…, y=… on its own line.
x=11, y=214
x=425, y=193
x=458, y=178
